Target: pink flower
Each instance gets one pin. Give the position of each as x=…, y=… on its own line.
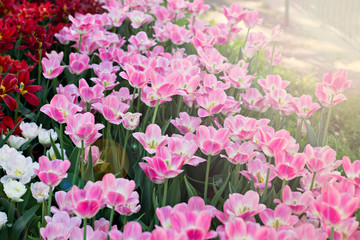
x=325, y=96
x=192, y=225
x=107, y=80
x=186, y=123
x=163, y=165
x=287, y=166
x=239, y=229
x=90, y=94
x=78, y=234
x=141, y=41
x=197, y=7
x=78, y=63
x=272, y=82
x=112, y=109
x=82, y=127
x=104, y=67
x=276, y=33
x=88, y=201
x=276, y=57
x=241, y=206
x=271, y=143
x=185, y=146
x=51, y=65
x=241, y=128
x=178, y=35
x=320, y=159
x=252, y=18
x=151, y=139
x=281, y=100
x=308, y=231
x=63, y=200
x=131, y=120
x=116, y=190
x=304, y=106
x=280, y=218
x=195, y=204
x=132, y=230
x=352, y=170
x=212, y=59
x=254, y=100
x=60, y=108
x=59, y=226
x=136, y=78
x=239, y=153
x=298, y=202
x=234, y=13
x=212, y=141
x=237, y=76
x=333, y=206
x=52, y=172
x=211, y=103
x=336, y=83
x=138, y=18
x=131, y=205
x=95, y=154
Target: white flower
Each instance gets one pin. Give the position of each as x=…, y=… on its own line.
x=13, y=189
x=40, y=191
x=3, y=219
x=7, y=153
x=20, y=167
x=16, y=141
x=44, y=136
x=29, y=130
x=51, y=153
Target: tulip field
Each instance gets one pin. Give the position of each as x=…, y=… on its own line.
x=138, y=119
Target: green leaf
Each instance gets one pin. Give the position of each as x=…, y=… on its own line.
x=4, y=140
x=174, y=194
x=231, y=188
x=312, y=139
x=56, y=150
x=190, y=189
x=21, y=223
x=218, y=194
x=88, y=173
x=165, y=127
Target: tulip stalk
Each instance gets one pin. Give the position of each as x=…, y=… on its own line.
x=312, y=181
x=207, y=176
x=282, y=188
x=122, y=164
x=324, y=134
x=272, y=57
x=266, y=182
x=62, y=140
x=165, y=193
x=49, y=201
x=256, y=61
x=79, y=43
x=228, y=38
x=43, y=209
x=111, y=218
x=155, y=111
x=78, y=160
x=138, y=101
x=332, y=233
x=39, y=65
x=84, y=226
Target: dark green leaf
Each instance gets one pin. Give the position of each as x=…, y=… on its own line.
x=190, y=189
x=218, y=194
x=312, y=139
x=21, y=223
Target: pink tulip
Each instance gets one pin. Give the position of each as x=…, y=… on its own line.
x=60, y=108
x=52, y=172
x=178, y=35
x=107, y=80
x=254, y=100
x=252, y=18
x=234, y=13
x=304, y=106
x=112, y=109
x=197, y=7
x=59, y=226
x=186, y=123
x=201, y=39
x=257, y=171
x=276, y=33
x=336, y=83
x=238, y=76
x=211, y=83
x=195, y=204
x=151, y=139
x=307, y=231
x=221, y=32
x=82, y=127
x=212, y=141
x=333, y=206
x=192, y=225
x=280, y=218
x=78, y=63
x=82, y=23
x=211, y=103
x=63, y=200
x=272, y=82
x=185, y=146
x=90, y=94
x=239, y=153
x=320, y=159
x=352, y=170
x=325, y=95
x=116, y=190
x=298, y=202
x=241, y=206
x=281, y=100
x=287, y=166
x=78, y=234
x=136, y=78
x=105, y=67
x=239, y=229
x=241, y=128
x=88, y=201
x=132, y=230
x=131, y=120
x=141, y=42
x=51, y=65
x=95, y=154
x=138, y=18
x=131, y=205
x=70, y=91
x=271, y=143
x=162, y=166
x=212, y=59
x=276, y=57
x=163, y=15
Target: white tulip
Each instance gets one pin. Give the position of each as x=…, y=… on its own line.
x=16, y=141
x=29, y=130
x=44, y=136
x=20, y=167
x=13, y=189
x=7, y=153
x=3, y=219
x=40, y=191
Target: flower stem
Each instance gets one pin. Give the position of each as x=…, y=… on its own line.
x=43, y=209
x=228, y=38
x=111, y=217
x=207, y=176
x=79, y=43
x=266, y=182
x=155, y=112
x=39, y=67
x=49, y=201
x=332, y=233
x=256, y=62
x=165, y=193
x=247, y=36
x=84, y=226
x=122, y=164
x=324, y=135
x=62, y=140
x=312, y=181
x=138, y=101
x=78, y=161
x=272, y=57
x=282, y=188
x=132, y=101
x=17, y=105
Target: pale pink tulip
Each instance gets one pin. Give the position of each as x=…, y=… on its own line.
x=234, y=13
x=151, y=139
x=276, y=57
x=272, y=82
x=298, y=202
x=51, y=65
x=352, y=170
x=211, y=103
x=320, y=159
x=90, y=94
x=212, y=141
x=239, y=229
x=241, y=128
x=186, y=123
x=116, y=191
x=78, y=63
x=240, y=153
x=288, y=166
x=112, y=109
x=52, y=172
x=131, y=120
x=251, y=19
x=304, y=106
x=280, y=218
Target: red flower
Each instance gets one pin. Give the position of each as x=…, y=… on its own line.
x=26, y=89
x=8, y=124
x=7, y=86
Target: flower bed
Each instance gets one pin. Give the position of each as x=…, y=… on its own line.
x=145, y=123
